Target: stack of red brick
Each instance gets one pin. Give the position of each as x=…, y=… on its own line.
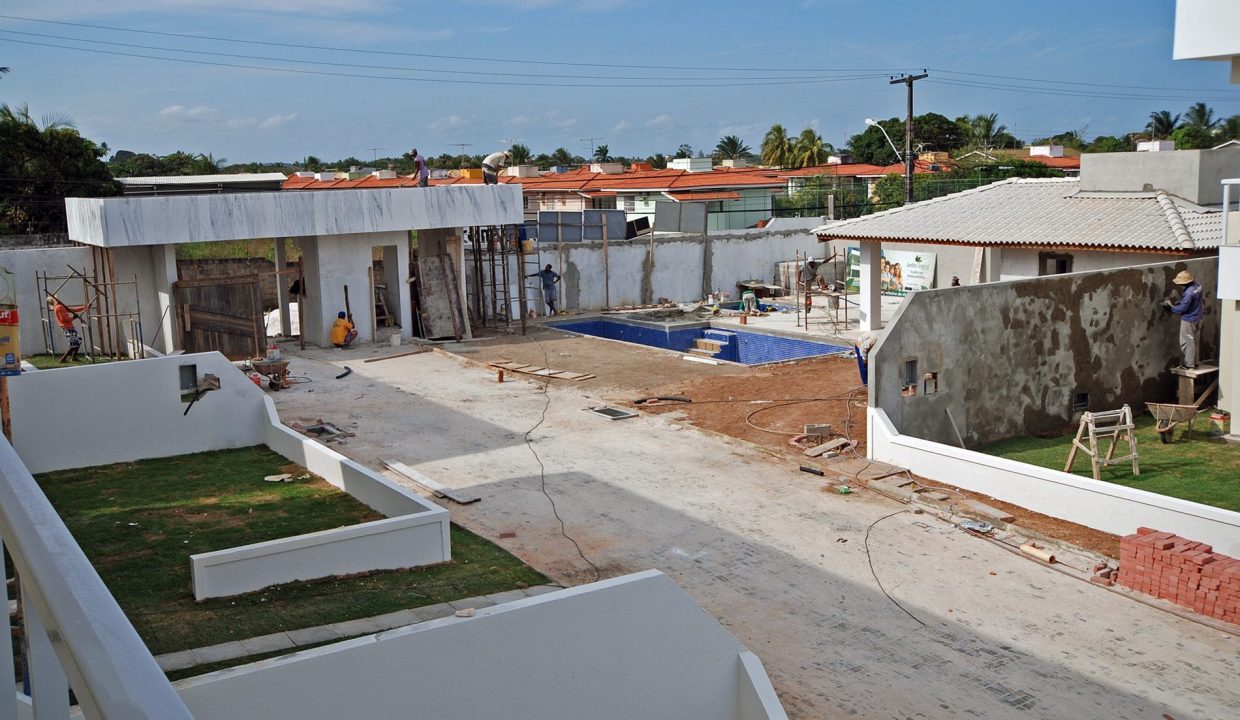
x=1187, y=573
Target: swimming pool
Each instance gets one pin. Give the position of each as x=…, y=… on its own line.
x=738, y=346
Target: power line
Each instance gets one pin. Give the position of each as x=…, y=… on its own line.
x=328, y=73
x=1069, y=92
x=1074, y=82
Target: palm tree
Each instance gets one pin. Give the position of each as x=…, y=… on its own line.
x=1229, y=129
x=776, y=147
x=1162, y=123
x=1201, y=116
x=21, y=116
x=809, y=149
x=519, y=154
x=562, y=156
x=984, y=129
x=602, y=154
x=731, y=147
x=207, y=164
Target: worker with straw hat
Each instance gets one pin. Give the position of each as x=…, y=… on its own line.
x=1190, y=310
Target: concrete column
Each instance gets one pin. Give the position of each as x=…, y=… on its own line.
x=1229, y=361
x=282, y=283
x=49, y=687
x=993, y=265
x=396, y=272
x=871, y=296
x=164, y=262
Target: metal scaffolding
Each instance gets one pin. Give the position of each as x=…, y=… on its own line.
x=104, y=325
x=496, y=255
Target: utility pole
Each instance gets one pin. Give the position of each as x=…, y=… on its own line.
x=908, y=133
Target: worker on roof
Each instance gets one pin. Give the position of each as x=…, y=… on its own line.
x=1190, y=309
x=419, y=168
x=65, y=314
x=492, y=164
x=343, y=333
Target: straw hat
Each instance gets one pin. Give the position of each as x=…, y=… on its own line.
x=1184, y=278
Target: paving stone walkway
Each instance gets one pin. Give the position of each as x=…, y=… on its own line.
x=294, y=639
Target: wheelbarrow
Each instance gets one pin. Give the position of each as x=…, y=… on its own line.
x=1168, y=415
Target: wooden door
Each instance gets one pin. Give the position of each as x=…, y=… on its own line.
x=221, y=313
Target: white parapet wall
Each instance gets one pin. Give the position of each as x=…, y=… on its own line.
x=127, y=411
x=1101, y=505
x=631, y=647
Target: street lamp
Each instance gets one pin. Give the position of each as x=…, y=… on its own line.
x=874, y=123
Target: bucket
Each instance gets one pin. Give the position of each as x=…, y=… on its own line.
x=395, y=340
x=1221, y=420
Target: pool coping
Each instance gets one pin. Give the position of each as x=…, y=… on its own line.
x=707, y=324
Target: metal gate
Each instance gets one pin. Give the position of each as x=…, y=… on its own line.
x=221, y=313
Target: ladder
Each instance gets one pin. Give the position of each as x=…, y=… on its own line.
x=381, y=309
x=1114, y=424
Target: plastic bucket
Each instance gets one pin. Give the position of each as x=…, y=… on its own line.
x=395, y=340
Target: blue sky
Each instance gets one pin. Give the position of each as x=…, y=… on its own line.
x=717, y=68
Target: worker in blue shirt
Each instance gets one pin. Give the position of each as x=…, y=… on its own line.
x=1190, y=311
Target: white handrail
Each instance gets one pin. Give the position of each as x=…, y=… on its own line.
x=110, y=669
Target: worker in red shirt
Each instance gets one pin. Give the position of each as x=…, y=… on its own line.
x=65, y=315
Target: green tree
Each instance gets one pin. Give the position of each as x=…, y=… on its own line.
x=1199, y=115
x=562, y=156
x=871, y=146
x=1068, y=138
x=1162, y=123
x=40, y=165
x=602, y=154
x=1111, y=143
x=1193, y=137
x=809, y=149
x=777, y=147
x=1229, y=129
x=731, y=147
x=520, y=154
x=657, y=161
x=684, y=151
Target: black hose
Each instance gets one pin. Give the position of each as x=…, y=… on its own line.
x=347, y=371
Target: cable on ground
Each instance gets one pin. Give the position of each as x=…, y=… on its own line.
x=870, y=560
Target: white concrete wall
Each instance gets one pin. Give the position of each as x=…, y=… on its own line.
x=1105, y=506
x=24, y=263
x=1021, y=263
x=389, y=544
x=1206, y=29
x=631, y=647
x=119, y=412
x=174, y=219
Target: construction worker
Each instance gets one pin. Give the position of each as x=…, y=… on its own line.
x=491, y=165
x=749, y=301
x=65, y=315
x=419, y=168
x=1190, y=310
x=549, y=278
x=343, y=332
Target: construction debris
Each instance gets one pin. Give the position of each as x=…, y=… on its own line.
x=419, y=351
x=612, y=413
x=539, y=371
x=825, y=447
x=320, y=430
x=438, y=489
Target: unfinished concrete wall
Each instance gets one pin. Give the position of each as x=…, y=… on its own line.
x=1020, y=263
x=1012, y=358
x=24, y=263
x=949, y=259
x=631, y=647
x=681, y=269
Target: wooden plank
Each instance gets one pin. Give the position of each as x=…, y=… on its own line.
x=435, y=303
x=397, y=355
x=826, y=447
x=439, y=489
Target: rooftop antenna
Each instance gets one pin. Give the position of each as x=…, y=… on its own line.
x=591, y=141
x=374, y=153
x=462, y=146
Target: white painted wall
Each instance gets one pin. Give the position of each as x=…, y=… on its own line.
x=118, y=412
x=24, y=263
x=1105, y=506
x=1206, y=30
x=1021, y=263
x=630, y=647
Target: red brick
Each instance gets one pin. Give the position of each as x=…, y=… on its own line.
x=1144, y=531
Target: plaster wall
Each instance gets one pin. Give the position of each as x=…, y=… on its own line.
x=1193, y=175
x=630, y=647
x=24, y=263
x=684, y=269
x=1202, y=29
x=1020, y=263
x=174, y=219
x=119, y=412
x=1011, y=356
x=1102, y=505
x=949, y=259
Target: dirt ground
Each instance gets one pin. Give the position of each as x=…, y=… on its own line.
x=764, y=405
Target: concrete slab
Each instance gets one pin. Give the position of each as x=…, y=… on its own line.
x=781, y=564
x=177, y=660
x=313, y=635
x=267, y=643
x=477, y=603
x=505, y=597
x=218, y=653
x=362, y=626
x=433, y=612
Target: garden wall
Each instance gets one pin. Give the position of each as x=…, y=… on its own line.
x=1093, y=503
x=1026, y=356
x=630, y=647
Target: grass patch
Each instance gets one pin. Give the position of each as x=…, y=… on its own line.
x=49, y=362
x=1204, y=469
x=139, y=523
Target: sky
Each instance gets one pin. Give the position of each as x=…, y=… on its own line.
x=278, y=80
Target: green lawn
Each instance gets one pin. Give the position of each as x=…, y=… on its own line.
x=1204, y=469
x=49, y=362
x=139, y=523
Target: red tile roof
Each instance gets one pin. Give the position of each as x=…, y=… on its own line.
x=370, y=181
x=701, y=196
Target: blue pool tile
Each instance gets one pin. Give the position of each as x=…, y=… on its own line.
x=738, y=346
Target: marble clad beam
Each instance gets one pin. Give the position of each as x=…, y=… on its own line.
x=164, y=220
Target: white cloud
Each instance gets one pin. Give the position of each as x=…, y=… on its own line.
x=550, y=119
x=181, y=113
x=447, y=123
x=521, y=120
x=622, y=126
x=574, y=5
x=276, y=121
x=660, y=121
